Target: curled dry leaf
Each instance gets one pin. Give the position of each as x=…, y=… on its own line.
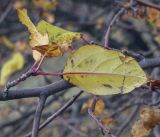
x=103, y=72
x=99, y=108
x=15, y=63
x=107, y=121
x=60, y=39
x=154, y=84
x=138, y=129
x=149, y=118
x=150, y=14
x=51, y=50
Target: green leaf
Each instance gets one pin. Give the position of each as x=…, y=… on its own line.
x=109, y=71
x=56, y=34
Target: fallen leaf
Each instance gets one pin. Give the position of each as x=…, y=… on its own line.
x=149, y=118
x=107, y=121
x=149, y=14
x=99, y=107
x=138, y=129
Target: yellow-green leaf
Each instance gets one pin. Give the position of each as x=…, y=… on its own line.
x=15, y=63
x=116, y=73
x=56, y=34
x=46, y=38
x=37, y=38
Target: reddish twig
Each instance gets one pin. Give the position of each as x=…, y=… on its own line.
x=106, y=45
x=39, y=63
x=69, y=73
x=24, y=76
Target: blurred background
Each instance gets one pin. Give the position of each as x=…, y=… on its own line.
x=139, y=34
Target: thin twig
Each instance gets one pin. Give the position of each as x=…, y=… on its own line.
x=98, y=122
x=71, y=127
x=38, y=114
x=106, y=45
x=24, y=76
x=145, y=3
x=6, y=12
x=127, y=121
x=27, y=114
x=18, y=80
x=23, y=126
x=59, y=112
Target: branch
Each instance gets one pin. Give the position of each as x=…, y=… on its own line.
x=37, y=116
x=147, y=63
x=24, y=76
x=36, y=92
x=59, y=112
x=127, y=121
x=110, y=26
x=60, y=85
x=145, y=3
x=27, y=114
x=98, y=122
x=6, y=12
